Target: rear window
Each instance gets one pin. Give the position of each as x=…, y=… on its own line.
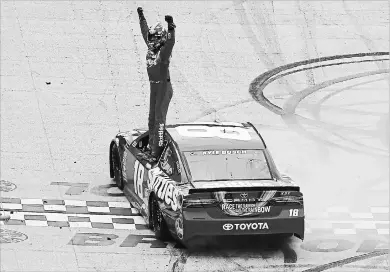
x=214, y=165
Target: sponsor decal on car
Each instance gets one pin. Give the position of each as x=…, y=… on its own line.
x=124, y=175
x=223, y=152
x=179, y=227
x=160, y=135
x=251, y=208
x=262, y=198
x=255, y=199
x=163, y=187
x=178, y=167
x=245, y=226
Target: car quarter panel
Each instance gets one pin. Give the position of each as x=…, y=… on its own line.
x=165, y=189
x=141, y=183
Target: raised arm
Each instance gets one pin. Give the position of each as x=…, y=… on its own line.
x=143, y=24
x=166, y=50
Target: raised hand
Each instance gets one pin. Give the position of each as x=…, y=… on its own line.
x=140, y=11
x=169, y=20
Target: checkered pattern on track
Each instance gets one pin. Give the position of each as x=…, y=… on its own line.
x=68, y=206
x=72, y=213
x=121, y=215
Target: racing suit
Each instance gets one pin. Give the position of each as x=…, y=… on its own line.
x=160, y=87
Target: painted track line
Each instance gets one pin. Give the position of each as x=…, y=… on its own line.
x=347, y=261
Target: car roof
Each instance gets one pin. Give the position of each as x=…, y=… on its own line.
x=204, y=136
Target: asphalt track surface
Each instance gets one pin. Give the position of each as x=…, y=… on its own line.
x=73, y=74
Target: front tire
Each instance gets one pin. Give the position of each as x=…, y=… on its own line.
x=116, y=167
x=158, y=223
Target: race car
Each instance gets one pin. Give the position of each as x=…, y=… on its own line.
x=212, y=179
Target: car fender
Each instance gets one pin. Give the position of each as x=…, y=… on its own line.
x=161, y=199
x=150, y=196
x=167, y=216
x=147, y=208
x=113, y=142
x=121, y=141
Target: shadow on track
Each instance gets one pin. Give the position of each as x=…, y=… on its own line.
x=243, y=246
x=230, y=247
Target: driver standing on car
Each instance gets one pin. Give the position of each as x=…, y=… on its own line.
x=160, y=43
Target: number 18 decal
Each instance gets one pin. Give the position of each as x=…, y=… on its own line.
x=139, y=171
x=294, y=212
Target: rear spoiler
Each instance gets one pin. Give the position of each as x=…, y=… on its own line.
x=240, y=189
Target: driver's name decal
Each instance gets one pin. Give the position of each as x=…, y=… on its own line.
x=223, y=152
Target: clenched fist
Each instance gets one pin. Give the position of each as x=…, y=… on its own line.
x=169, y=20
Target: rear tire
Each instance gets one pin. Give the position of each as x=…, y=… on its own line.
x=116, y=167
x=286, y=236
x=281, y=239
x=159, y=226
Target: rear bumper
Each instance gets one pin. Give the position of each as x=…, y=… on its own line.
x=241, y=226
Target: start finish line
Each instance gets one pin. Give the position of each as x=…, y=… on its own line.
x=321, y=245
